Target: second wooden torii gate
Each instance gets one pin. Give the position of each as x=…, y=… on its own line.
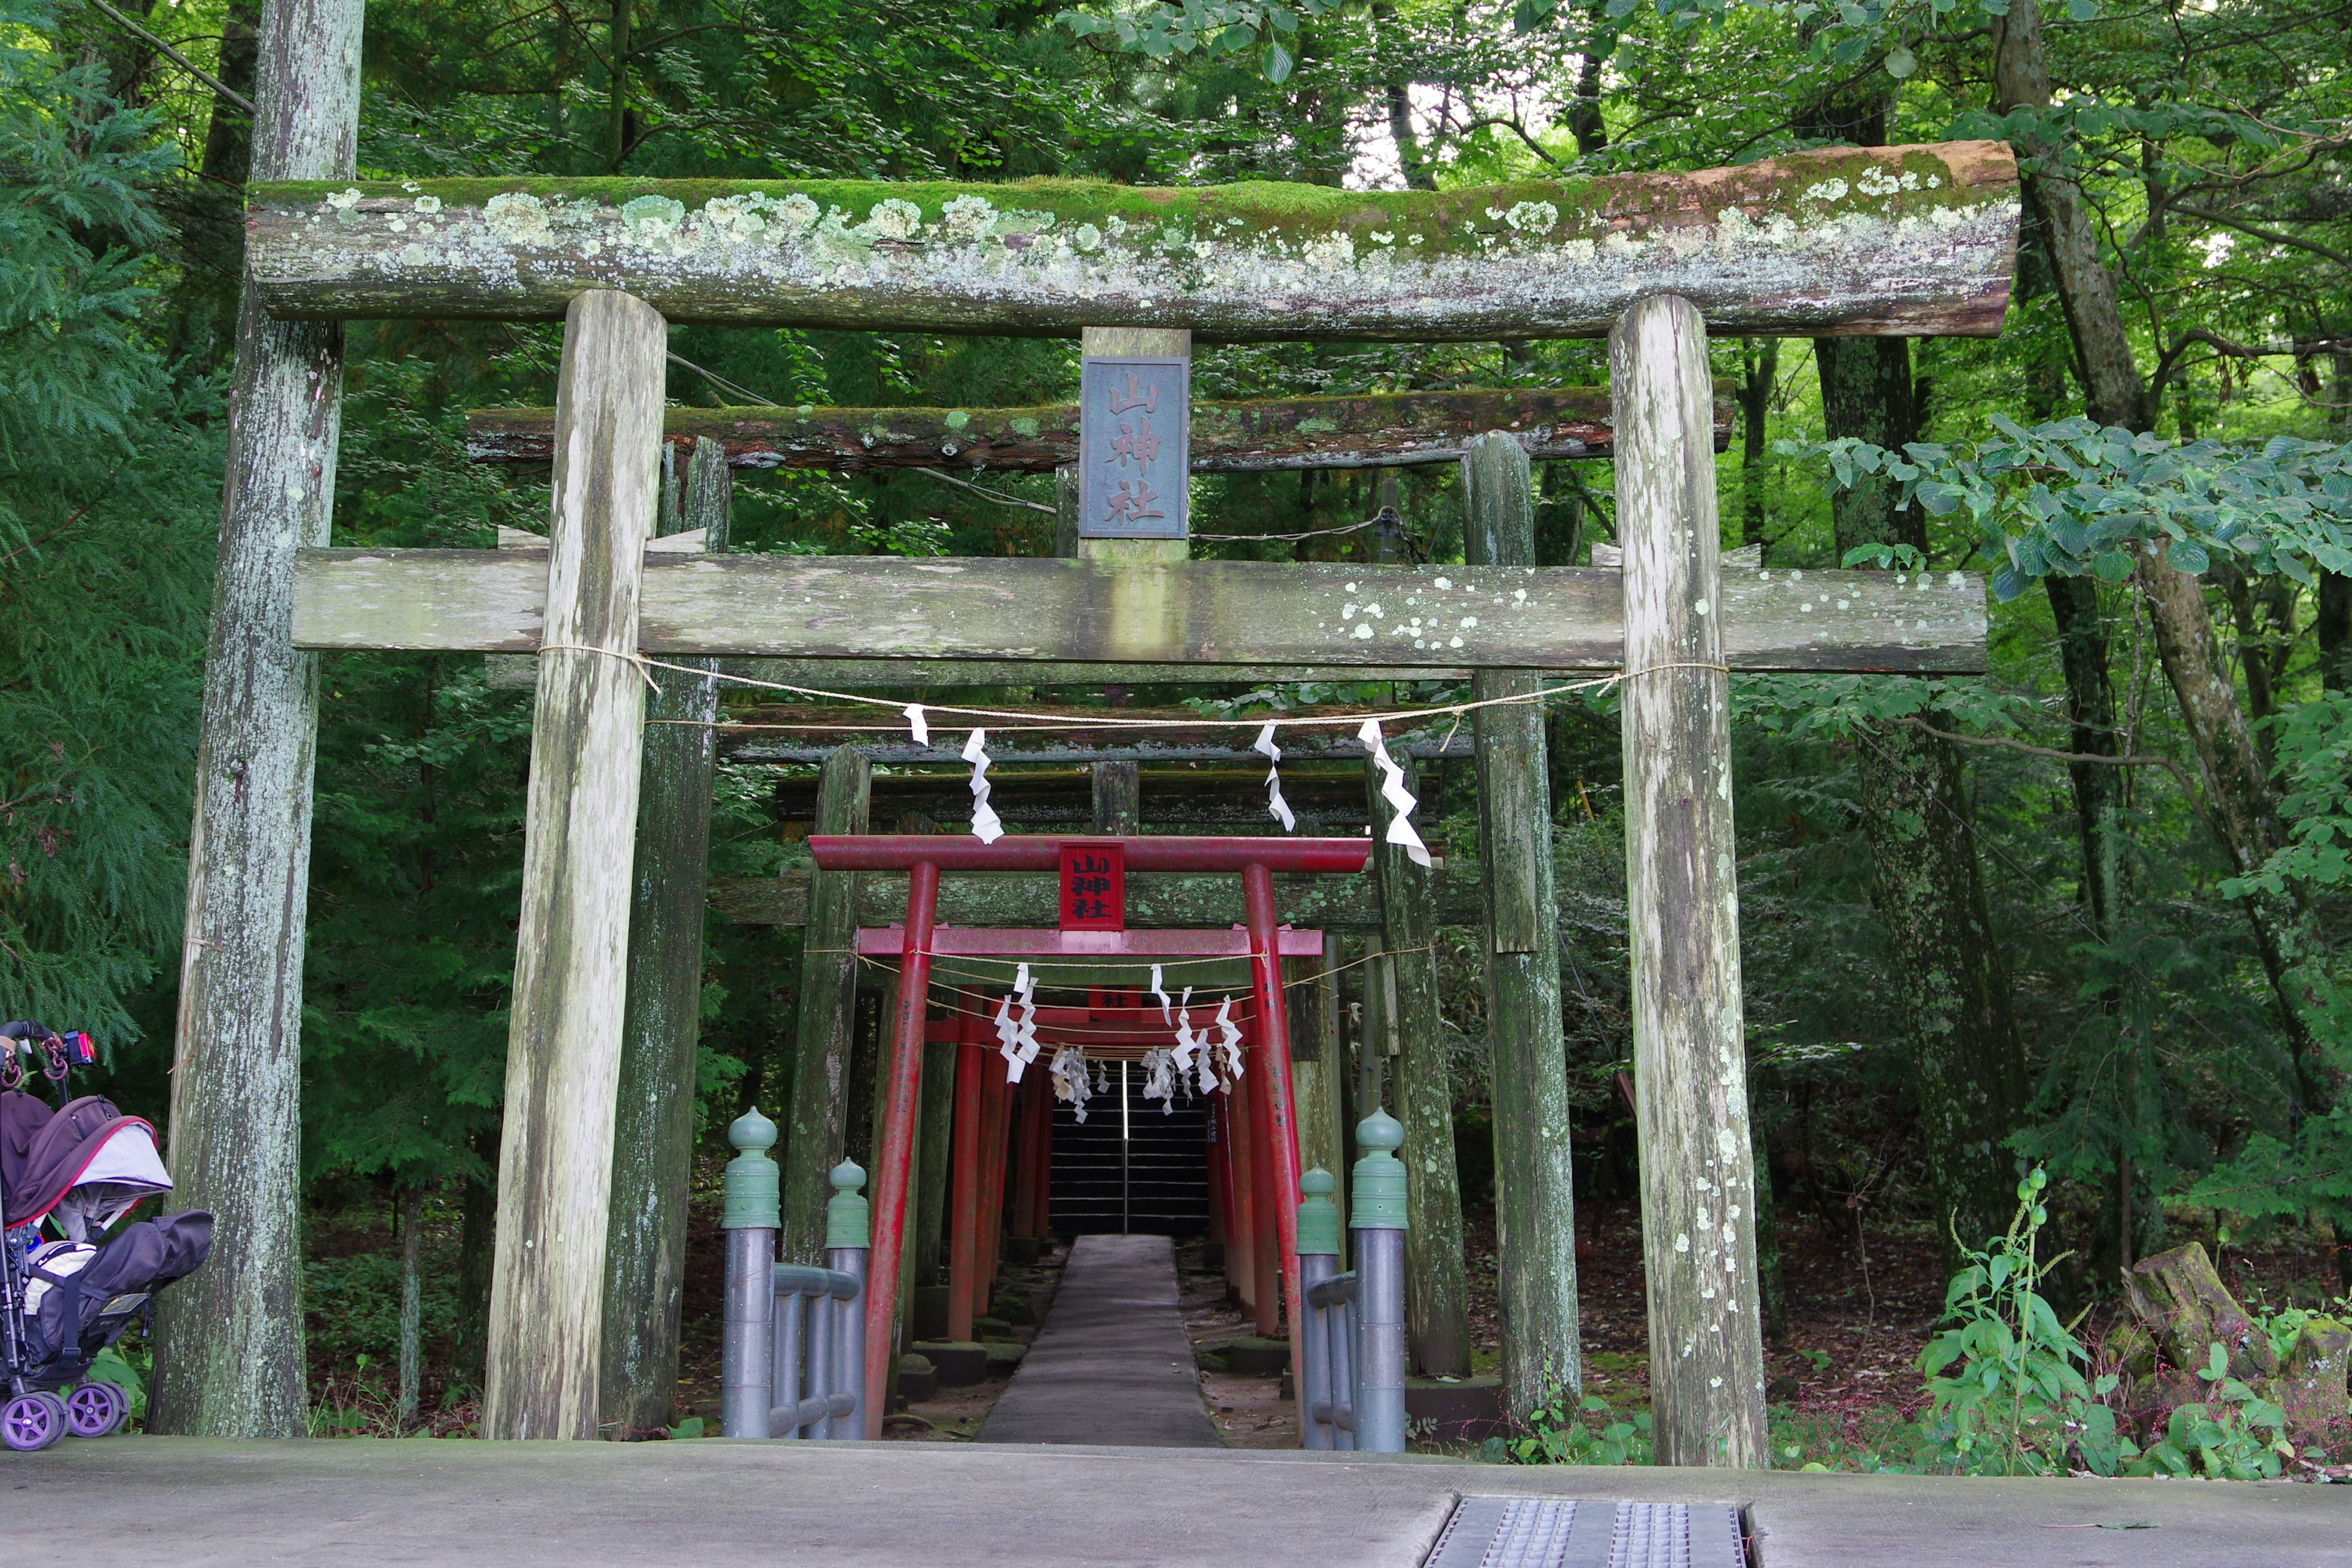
x=1900, y=240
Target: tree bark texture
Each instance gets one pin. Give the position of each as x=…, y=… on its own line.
x=653, y=1129
x=1248, y=435
x=555, y=1166
x=228, y=1348
x=1690, y=1050
x=1535, y=1176
x=2114, y=391
x=1926, y=879
x=1903, y=240
x=1437, y=1290
x=828, y=1016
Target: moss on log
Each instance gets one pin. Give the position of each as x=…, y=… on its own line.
x=1394, y=429
x=1893, y=240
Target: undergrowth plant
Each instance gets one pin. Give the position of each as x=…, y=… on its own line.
x=1559, y=1433
x=2007, y=1380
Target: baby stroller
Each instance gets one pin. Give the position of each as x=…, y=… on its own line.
x=80, y=1169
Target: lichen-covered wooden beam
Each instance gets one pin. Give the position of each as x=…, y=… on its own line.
x=1393, y=429
x=1908, y=241
x=1176, y=614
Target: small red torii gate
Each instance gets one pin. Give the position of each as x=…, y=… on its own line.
x=923, y=857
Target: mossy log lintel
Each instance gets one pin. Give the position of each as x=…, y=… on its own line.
x=1183, y=612
x=1912, y=241
x=1375, y=430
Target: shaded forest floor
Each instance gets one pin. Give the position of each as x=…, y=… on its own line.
x=1864, y=1296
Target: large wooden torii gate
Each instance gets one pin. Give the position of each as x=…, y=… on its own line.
x=1899, y=240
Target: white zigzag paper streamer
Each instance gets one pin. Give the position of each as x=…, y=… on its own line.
x=985, y=826
x=916, y=724
x=1401, y=800
x=1275, y=807
x=1159, y=1079
x=1070, y=1070
x=1229, y=1039
x=1017, y=1035
x=1161, y=991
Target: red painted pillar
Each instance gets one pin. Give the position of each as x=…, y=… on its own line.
x=963, y=1189
x=1265, y=1239
x=1274, y=1054
x=900, y=1112
x=1024, y=1158
x=1241, y=1251
x=994, y=1129
x=1221, y=1191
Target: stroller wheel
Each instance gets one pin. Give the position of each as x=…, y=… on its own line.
x=96, y=1409
x=33, y=1421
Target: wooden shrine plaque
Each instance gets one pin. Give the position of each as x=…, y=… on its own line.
x=1135, y=440
x=1094, y=886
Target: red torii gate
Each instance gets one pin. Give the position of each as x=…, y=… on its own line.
x=923, y=857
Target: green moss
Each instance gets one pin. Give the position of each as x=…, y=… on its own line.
x=1289, y=214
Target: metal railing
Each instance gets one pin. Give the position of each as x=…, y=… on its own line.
x=793, y=1357
x=1329, y=1356
x=1351, y=1354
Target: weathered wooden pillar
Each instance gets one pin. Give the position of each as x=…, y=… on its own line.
x=1437, y=1290
x=228, y=1359
x=555, y=1165
x=1317, y=1065
x=1690, y=1070
x=1118, y=791
x=819, y=1112
x=653, y=1130
x=1535, y=1179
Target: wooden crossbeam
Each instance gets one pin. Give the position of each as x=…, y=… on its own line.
x=1183, y=612
x=1907, y=241
x=798, y=734
x=1394, y=429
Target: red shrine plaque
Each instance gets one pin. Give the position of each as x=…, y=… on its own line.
x=1094, y=886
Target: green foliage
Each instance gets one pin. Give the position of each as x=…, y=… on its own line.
x=1583, y=1432
x=2005, y=1376
x=2222, y=1438
x=2069, y=498
x=107, y=512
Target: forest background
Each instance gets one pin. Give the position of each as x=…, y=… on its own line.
x=1964, y=953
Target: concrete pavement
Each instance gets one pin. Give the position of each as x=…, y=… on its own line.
x=162, y=1502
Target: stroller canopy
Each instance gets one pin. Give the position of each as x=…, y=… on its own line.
x=87, y=1165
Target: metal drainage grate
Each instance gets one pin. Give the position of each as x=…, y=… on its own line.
x=1546, y=1533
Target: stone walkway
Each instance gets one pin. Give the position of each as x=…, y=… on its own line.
x=135, y=1502
x=1112, y=1364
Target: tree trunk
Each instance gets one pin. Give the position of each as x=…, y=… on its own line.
x=476, y=1228
x=412, y=1302
x=1969, y=1061
x=653, y=1125
x=228, y=1349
